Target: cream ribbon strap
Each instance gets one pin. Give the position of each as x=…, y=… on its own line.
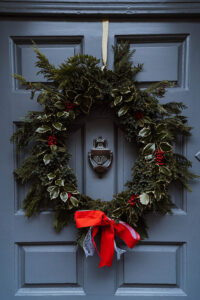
x=105, y=24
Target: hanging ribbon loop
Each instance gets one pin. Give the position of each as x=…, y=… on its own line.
x=109, y=228
x=105, y=25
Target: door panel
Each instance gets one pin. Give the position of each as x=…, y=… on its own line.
x=35, y=261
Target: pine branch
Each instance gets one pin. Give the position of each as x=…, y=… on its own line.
x=46, y=68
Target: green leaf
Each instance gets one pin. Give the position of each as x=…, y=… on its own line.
x=113, y=93
x=125, y=92
x=144, y=132
x=129, y=99
x=78, y=98
x=53, y=147
x=42, y=117
x=148, y=157
x=164, y=170
x=64, y=196
x=40, y=153
x=166, y=147
x=59, y=105
x=70, y=188
x=43, y=129
x=57, y=126
x=75, y=192
x=122, y=111
x=54, y=193
x=162, y=136
x=59, y=182
x=157, y=194
x=51, y=188
x=51, y=176
x=147, y=120
x=149, y=149
x=118, y=100
x=140, y=123
x=63, y=114
x=47, y=159
x=74, y=201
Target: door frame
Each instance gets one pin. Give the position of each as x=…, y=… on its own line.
x=96, y=8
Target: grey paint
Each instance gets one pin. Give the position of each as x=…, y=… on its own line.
x=101, y=8
x=35, y=261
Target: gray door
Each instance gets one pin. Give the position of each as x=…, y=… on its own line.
x=35, y=261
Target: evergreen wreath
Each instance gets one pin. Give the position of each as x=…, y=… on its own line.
x=71, y=91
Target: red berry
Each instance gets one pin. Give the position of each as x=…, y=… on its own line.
x=138, y=115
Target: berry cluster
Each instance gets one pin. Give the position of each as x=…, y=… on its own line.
x=52, y=140
x=69, y=106
x=160, y=157
x=132, y=201
x=138, y=115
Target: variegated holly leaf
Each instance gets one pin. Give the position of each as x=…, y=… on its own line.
x=42, y=117
x=47, y=159
x=60, y=182
x=59, y=105
x=149, y=149
x=166, y=147
x=51, y=176
x=114, y=92
x=63, y=114
x=64, y=196
x=57, y=126
x=54, y=191
x=118, y=100
x=164, y=170
x=122, y=111
x=43, y=129
x=74, y=201
x=51, y=188
x=149, y=157
x=144, y=132
x=71, y=188
x=129, y=99
x=53, y=147
x=40, y=153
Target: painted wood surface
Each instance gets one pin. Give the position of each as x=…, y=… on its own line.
x=103, y=7
x=35, y=261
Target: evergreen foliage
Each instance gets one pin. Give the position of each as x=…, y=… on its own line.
x=81, y=83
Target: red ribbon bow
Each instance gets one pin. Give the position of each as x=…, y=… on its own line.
x=97, y=218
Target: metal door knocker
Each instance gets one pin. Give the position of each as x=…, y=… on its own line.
x=100, y=157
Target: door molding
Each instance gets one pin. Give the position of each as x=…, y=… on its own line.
x=100, y=7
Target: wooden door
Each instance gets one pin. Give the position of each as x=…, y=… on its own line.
x=35, y=261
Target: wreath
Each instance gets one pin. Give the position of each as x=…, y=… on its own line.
x=72, y=90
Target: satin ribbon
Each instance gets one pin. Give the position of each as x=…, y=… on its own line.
x=105, y=24
x=109, y=228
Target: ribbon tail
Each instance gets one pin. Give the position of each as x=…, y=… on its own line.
x=88, y=245
x=127, y=234
x=107, y=246
x=119, y=251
